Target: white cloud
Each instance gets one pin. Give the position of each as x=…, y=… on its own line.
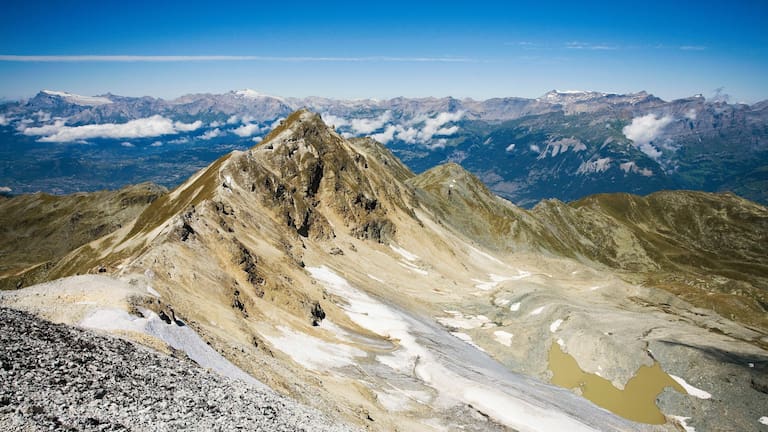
x=644, y=130
x=438, y=144
x=434, y=126
x=156, y=144
x=156, y=125
x=233, y=119
x=257, y=139
x=535, y=148
x=386, y=136
x=43, y=116
x=247, y=130
x=422, y=129
x=5, y=189
x=182, y=140
x=591, y=46
x=510, y=147
x=213, y=133
x=409, y=135
x=42, y=130
x=431, y=127
x=367, y=126
x=215, y=124
x=332, y=120
x=187, y=127
x=127, y=144
x=4, y=121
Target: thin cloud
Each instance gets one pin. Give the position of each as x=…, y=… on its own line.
x=693, y=48
x=204, y=58
x=590, y=46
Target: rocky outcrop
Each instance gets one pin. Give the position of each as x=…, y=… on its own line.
x=56, y=377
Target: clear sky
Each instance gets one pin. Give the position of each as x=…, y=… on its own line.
x=384, y=49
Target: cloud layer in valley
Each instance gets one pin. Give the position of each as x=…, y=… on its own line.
x=154, y=126
x=422, y=129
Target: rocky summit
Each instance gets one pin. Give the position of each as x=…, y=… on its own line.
x=324, y=268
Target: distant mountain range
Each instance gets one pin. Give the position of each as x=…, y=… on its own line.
x=562, y=145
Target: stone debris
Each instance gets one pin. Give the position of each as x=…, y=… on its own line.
x=57, y=377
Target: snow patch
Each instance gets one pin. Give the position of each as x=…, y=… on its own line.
x=413, y=358
x=467, y=338
x=482, y=254
x=461, y=321
x=503, y=337
x=514, y=307
x=404, y=253
x=179, y=337
x=763, y=420
x=555, y=325
x=537, y=311
x=375, y=278
x=413, y=268
x=691, y=390
x=311, y=352
x=79, y=99
x=497, y=279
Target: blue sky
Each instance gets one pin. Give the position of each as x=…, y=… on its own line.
x=385, y=49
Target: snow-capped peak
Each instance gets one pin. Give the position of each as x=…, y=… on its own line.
x=253, y=94
x=79, y=99
x=250, y=93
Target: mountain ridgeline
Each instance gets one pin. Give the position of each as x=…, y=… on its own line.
x=562, y=145
x=709, y=249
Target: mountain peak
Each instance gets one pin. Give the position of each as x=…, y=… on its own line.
x=253, y=94
x=77, y=99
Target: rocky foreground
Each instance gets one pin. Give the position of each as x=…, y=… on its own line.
x=57, y=377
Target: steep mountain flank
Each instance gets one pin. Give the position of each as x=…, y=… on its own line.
x=37, y=230
x=710, y=249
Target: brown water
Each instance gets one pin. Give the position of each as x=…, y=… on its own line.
x=637, y=402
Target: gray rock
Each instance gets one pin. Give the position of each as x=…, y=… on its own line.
x=57, y=377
